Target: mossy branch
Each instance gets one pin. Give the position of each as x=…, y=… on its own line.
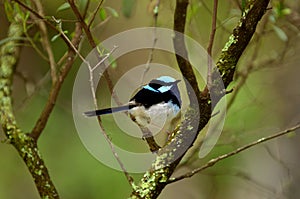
x=154, y=181
x=23, y=143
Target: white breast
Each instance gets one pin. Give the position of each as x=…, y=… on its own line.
x=156, y=118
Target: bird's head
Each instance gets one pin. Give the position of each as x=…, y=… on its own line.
x=165, y=84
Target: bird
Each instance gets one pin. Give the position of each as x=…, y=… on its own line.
x=157, y=103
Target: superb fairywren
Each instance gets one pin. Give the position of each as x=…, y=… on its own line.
x=158, y=102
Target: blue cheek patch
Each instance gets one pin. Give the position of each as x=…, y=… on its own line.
x=150, y=88
x=164, y=89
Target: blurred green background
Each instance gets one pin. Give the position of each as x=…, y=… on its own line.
x=268, y=101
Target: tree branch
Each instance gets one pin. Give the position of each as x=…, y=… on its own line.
x=24, y=144
x=45, y=40
x=92, y=42
x=212, y=162
x=157, y=177
x=42, y=121
x=179, y=44
x=210, y=45
x=240, y=38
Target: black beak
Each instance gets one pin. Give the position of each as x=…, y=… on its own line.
x=177, y=81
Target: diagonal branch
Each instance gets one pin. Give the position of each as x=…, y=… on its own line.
x=45, y=40
x=42, y=121
x=24, y=144
x=92, y=42
x=212, y=162
x=154, y=180
x=95, y=13
x=239, y=40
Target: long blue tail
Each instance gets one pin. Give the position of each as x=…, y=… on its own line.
x=107, y=110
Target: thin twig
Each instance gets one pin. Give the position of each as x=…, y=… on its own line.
x=83, y=24
x=112, y=148
x=211, y=42
x=93, y=91
x=95, y=13
x=86, y=8
x=53, y=27
x=220, y=23
x=45, y=40
x=63, y=35
x=150, y=57
x=239, y=150
x=106, y=56
x=91, y=69
x=42, y=121
x=93, y=44
x=32, y=43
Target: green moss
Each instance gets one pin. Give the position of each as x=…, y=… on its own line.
x=232, y=40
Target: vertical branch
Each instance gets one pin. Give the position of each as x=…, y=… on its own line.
x=211, y=43
x=155, y=12
x=179, y=44
x=45, y=39
x=22, y=142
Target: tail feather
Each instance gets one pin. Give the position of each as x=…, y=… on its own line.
x=107, y=110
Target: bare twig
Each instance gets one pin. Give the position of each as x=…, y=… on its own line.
x=220, y=23
x=150, y=57
x=95, y=13
x=210, y=45
x=112, y=148
x=45, y=39
x=106, y=56
x=86, y=8
x=53, y=27
x=91, y=70
x=83, y=24
x=92, y=43
x=93, y=91
x=239, y=150
x=64, y=36
x=42, y=121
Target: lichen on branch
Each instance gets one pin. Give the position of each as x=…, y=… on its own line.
x=25, y=145
x=154, y=180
